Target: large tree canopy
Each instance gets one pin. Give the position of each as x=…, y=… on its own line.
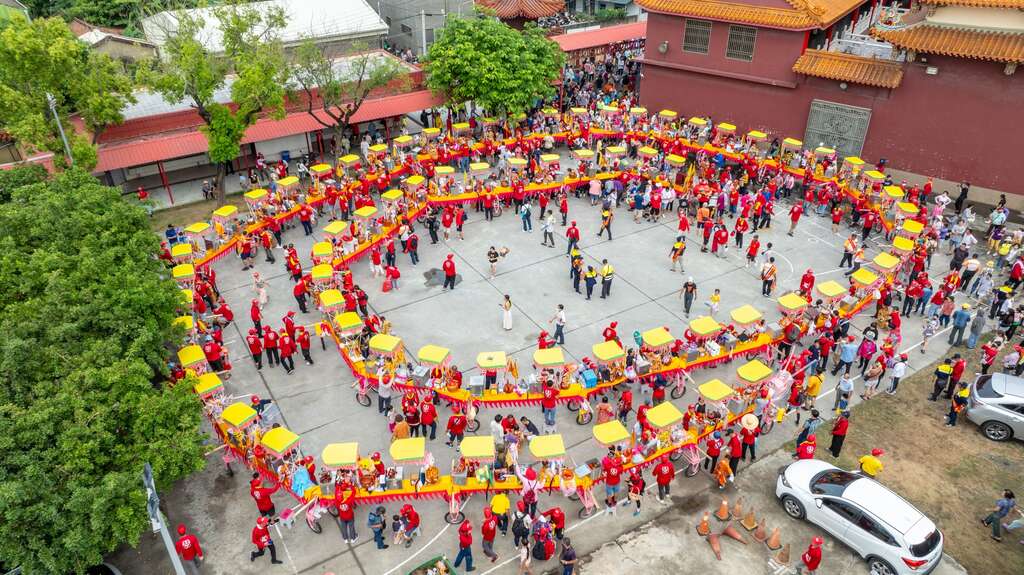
x=483, y=60
x=86, y=311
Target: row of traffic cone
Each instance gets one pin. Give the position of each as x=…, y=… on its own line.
x=750, y=523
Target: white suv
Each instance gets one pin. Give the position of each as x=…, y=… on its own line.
x=883, y=528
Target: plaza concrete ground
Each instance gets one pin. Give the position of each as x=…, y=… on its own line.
x=318, y=402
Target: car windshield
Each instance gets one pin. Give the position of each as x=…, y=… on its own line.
x=984, y=388
x=927, y=546
x=832, y=482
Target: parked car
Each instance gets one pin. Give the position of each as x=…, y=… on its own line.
x=996, y=404
x=879, y=525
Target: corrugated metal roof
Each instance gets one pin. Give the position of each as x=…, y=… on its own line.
x=601, y=36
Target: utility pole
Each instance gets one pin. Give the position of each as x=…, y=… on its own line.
x=53, y=110
x=423, y=30
x=157, y=518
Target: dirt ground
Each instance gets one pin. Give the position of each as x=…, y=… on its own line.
x=954, y=475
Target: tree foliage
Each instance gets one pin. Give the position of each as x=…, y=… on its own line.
x=253, y=58
x=43, y=57
x=19, y=176
x=338, y=84
x=485, y=61
x=86, y=314
x=113, y=13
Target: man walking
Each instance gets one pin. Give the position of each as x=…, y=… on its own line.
x=568, y=557
x=1003, y=508
x=524, y=214
x=768, y=273
x=849, y=248
x=961, y=318
x=548, y=227
x=839, y=429
x=607, y=275
x=261, y=539
x=449, y=272
x=189, y=550
x=466, y=545
x=687, y=293
x=375, y=521
x=559, y=320
x=606, y=223
x=572, y=235
x=812, y=557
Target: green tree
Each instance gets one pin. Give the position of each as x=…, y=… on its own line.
x=113, y=13
x=253, y=57
x=86, y=314
x=337, y=84
x=19, y=176
x=483, y=60
x=41, y=58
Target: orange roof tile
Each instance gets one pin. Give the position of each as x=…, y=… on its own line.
x=804, y=15
x=530, y=9
x=1019, y=4
x=958, y=42
x=849, y=68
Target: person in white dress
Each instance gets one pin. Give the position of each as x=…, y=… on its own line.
x=506, y=313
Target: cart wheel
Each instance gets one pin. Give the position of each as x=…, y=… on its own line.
x=573, y=405
x=584, y=417
x=587, y=512
x=333, y=510
x=315, y=527
x=692, y=470
x=678, y=392
x=363, y=399
x=473, y=425
x=574, y=496
x=676, y=455
x=750, y=355
x=454, y=518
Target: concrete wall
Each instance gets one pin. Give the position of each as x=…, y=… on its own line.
x=407, y=13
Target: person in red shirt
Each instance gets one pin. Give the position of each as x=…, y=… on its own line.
x=488, y=529
x=289, y=323
x=287, y=349
x=548, y=403
x=573, y=236
x=449, y=272
x=749, y=438
x=302, y=339
x=224, y=312
x=735, y=450
x=609, y=332
x=543, y=342
x=270, y=346
x=807, y=282
x=255, y=347
x=189, y=550
x=807, y=448
x=959, y=365
x=465, y=546
x=214, y=354
x=261, y=539
x=261, y=495
x=428, y=417
x=611, y=466
x=713, y=448
x=625, y=405
x=794, y=216
x=839, y=429
x=412, y=523
x=299, y=291
x=557, y=518
x=741, y=227
x=392, y=274
x=812, y=557
x=563, y=207
x=346, y=504
x=256, y=315
x=456, y=425
x=721, y=240
x=663, y=474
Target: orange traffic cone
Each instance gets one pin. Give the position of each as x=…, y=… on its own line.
x=774, y=542
x=761, y=533
x=737, y=509
x=716, y=546
x=749, y=521
x=782, y=557
x=703, y=528
x=733, y=533
x=723, y=511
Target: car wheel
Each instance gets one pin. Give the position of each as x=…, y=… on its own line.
x=793, y=508
x=880, y=567
x=996, y=431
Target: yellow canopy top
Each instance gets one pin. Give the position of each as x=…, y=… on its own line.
x=384, y=343
x=668, y=113
x=548, y=111
x=181, y=250
x=477, y=447
x=365, y=212
x=323, y=249
x=409, y=449
x=864, y=277
x=238, y=415
x=491, y=360
x=460, y=126
x=279, y=440
x=714, y=390
x=657, y=337
x=830, y=289
x=608, y=351
x=477, y=167
x=695, y=121
x=183, y=271
x=675, y=160
x=874, y=175
x=547, y=446
x=292, y=180
x=745, y=314
x=349, y=159
x=431, y=132
x=792, y=302
x=336, y=228
x=754, y=371
x=615, y=150
x=894, y=192
x=824, y=151
x=378, y=148
x=322, y=272
x=517, y=161
x=907, y=208
x=705, y=325
x=647, y=151
x=208, y=384
x=548, y=158
x=198, y=227
x=348, y=322
x=578, y=111
x=664, y=415
x=610, y=433
x=726, y=127
x=444, y=170
x=340, y=455
x=608, y=109
x=403, y=139
x=392, y=195
x=792, y=142
x=191, y=355
x=257, y=194
x=853, y=161
x=433, y=354
x=331, y=298
x=184, y=321
x=225, y=211
x=757, y=135
x=583, y=153
x=550, y=357
x=903, y=244
x=912, y=226
x=416, y=179
x=886, y=261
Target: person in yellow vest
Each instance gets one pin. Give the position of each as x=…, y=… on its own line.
x=607, y=275
x=606, y=223
x=591, y=280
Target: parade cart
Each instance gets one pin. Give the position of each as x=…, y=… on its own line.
x=758, y=142
x=183, y=274
x=460, y=128
x=549, y=112
x=408, y=451
x=745, y=316
x=869, y=178
x=496, y=361
x=188, y=324
x=347, y=324
x=666, y=419
x=549, y=451
x=907, y=209
x=792, y=305
x=341, y=459
x=902, y=244
x=477, y=168
x=182, y=253
x=235, y=421
x=613, y=361
x=191, y=357
x=697, y=122
x=413, y=182
x=611, y=433
x=705, y=328
x=668, y=115
x=473, y=467
x=822, y=152
x=608, y=111
x=724, y=131
x=403, y=141
x=256, y=200
x=323, y=253
x=790, y=152
x=892, y=195
x=675, y=161
x=753, y=372
x=336, y=230
x=886, y=263
x=637, y=111
x=432, y=133
x=323, y=277
x=830, y=290
x=331, y=300
x=550, y=364
x=288, y=186
x=378, y=151
x=489, y=121
x=615, y=151
x=864, y=280
x=910, y=229
x=348, y=160
x=208, y=385
x=717, y=394
x=435, y=359
x=196, y=234
x=517, y=164
x=549, y=160
x=578, y=112
x=584, y=154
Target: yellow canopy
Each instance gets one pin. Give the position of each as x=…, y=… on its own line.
x=349, y=159
x=186, y=296
x=547, y=446
x=183, y=271
x=365, y=212
x=460, y=126
x=379, y=148
x=757, y=135
x=578, y=111
x=792, y=143
x=853, y=161
x=664, y=415
x=208, y=384
x=491, y=360
x=695, y=121
x=477, y=447
x=610, y=433
x=894, y=192
x=583, y=154
x=608, y=109
x=444, y=170
x=403, y=140
x=549, y=111
x=549, y=158
x=408, y=450
x=392, y=195
x=638, y=110
x=913, y=227
x=517, y=162
x=477, y=167
x=675, y=160
x=670, y=114
x=184, y=321
x=714, y=390
x=340, y=455
x=754, y=371
x=238, y=415
x=384, y=343
x=705, y=326
x=657, y=337
x=199, y=227
x=279, y=440
x=550, y=357
x=416, y=179
x=181, y=250
x=433, y=354
x=792, y=302
x=331, y=299
x=322, y=272
x=608, y=351
x=348, y=322
x=256, y=195
x=907, y=208
x=336, y=228
x=225, y=211
x=864, y=277
x=885, y=261
x=902, y=244
x=431, y=132
x=615, y=150
x=726, y=127
x=191, y=355
x=647, y=151
x=318, y=169
x=830, y=289
x=874, y=175
x=745, y=314
x=824, y=151
x=323, y=249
